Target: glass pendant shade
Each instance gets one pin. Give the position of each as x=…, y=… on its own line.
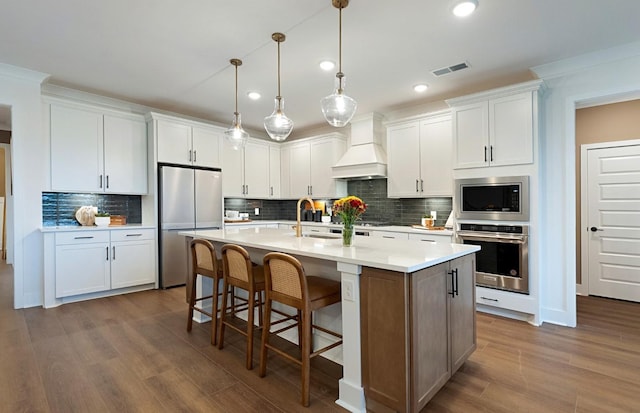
x=338, y=109
x=235, y=135
x=278, y=125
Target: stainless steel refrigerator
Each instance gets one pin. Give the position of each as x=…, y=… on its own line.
x=190, y=198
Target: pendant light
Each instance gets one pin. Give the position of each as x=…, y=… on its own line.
x=338, y=108
x=278, y=125
x=235, y=135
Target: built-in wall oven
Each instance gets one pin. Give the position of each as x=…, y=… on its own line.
x=503, y=259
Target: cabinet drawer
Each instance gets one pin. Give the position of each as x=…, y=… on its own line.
x=389, y=235
x=430, y=238
x=81, y=237
x=132, y=234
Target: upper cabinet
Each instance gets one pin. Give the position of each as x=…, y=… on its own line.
x=95, y=150
x=496, y=128
x=247, y=171
x=183, y=142
x=306, y=167
x=419, y=154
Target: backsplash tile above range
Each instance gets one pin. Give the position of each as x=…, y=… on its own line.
x=58, y=209
x=372, y=191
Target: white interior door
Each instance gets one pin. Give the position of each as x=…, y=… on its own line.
x=613, y=223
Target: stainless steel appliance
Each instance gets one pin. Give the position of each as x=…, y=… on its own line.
x=503, y=260
x=504, y=198
x=190, y=198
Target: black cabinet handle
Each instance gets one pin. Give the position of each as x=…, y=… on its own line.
x=100, y=181
x=456, y=277
x=113, y=254
x=453, y=291
x=594, y=229
x=107, y=181
x=485, y=153
x=491, y=152
x=82, y=237
x=107, y=253
x=490, y=299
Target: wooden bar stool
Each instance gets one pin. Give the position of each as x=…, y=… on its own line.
x=206, y=264
x=287, y=283
x=240, y=272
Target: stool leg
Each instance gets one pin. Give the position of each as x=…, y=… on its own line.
x=250, y=315
x=265, y=337
x=223, y=310
x=214, y=312
x=306, y=356
x=192, y=301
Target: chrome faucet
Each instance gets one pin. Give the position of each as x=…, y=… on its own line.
x=298, y=225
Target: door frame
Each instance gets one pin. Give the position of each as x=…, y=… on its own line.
x=583, y=288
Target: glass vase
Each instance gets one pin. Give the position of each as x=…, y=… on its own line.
x=347, y=235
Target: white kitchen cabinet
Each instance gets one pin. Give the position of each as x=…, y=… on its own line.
x=93, y=261
x=388, y=235
x=132, y=258
x=82, y=263
x=184, y=142
x=246, y=171
x=496, y=128
x=420, y=158
x=274, y=172
x=306, y=167
x=95, y=151
x=431, y=238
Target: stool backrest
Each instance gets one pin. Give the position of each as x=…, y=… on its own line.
x=203, y=255
x=285, y=279
x=237, y=263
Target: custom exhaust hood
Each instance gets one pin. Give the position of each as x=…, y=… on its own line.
x=365, y=157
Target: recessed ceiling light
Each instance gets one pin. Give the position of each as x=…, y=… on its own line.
x=465, y=7
x=421, y=87
x=327, y=65
x=254, y=95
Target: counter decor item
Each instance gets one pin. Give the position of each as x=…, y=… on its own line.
x=102, y=219
x=85, y=215
x=427, y=221
x=349, y=209
x=118, y=220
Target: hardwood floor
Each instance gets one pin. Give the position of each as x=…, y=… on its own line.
x=132, y=353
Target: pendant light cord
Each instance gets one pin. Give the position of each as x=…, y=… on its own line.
x=279, y=96
x=236, y=112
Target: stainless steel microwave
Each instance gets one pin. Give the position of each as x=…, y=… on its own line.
x=504, y=198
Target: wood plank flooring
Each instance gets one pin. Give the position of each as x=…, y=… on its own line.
x=132, y=353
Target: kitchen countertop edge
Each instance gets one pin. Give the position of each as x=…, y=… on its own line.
x=69, y=228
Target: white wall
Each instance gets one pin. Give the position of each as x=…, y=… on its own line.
x=603, y=77
x=20, y=89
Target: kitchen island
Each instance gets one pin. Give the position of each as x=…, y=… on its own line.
x=407, y=312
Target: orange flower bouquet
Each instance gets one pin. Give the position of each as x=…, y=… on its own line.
x=350, y=209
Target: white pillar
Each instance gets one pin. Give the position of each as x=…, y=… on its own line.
x=350, y=386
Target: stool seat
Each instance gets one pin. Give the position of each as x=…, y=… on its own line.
x=322, y=291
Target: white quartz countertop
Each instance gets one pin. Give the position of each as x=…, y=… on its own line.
x=388, y=254
x=67, y=228
x=389, y=228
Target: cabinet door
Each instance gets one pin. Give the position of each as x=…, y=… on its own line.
x=511, y=130
x=132, y=263
x=323, y=155
x=206, y=146
x=463, y=311
x=76, y=149
x=430, y=338
x=274, y=172
x=299, y=170
x=82, y=269
x=436, y=157
x=403, y=152
x=125, y=155
x=174, y=142
x=389, y=235
x=471, y=135
x=256, y=170
x=232, y=171
x=432, y=238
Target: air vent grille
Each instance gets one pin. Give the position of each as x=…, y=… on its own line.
x=450, y=69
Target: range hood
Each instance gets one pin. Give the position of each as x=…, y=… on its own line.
x=365, y=157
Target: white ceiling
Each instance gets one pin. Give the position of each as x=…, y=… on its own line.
x=174, y=55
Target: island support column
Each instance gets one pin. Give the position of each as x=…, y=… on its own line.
x=350, y=386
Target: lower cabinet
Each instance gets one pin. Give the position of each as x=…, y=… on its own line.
x=93, y=261
x=417, y=330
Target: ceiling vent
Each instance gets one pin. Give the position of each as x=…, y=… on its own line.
x=450, y=69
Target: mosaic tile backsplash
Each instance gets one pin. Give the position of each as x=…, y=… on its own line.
x=373, y=192
x=59, y=209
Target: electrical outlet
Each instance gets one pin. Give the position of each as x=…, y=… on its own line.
x=347, y=290
x=257, y=211
x=433, y=215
